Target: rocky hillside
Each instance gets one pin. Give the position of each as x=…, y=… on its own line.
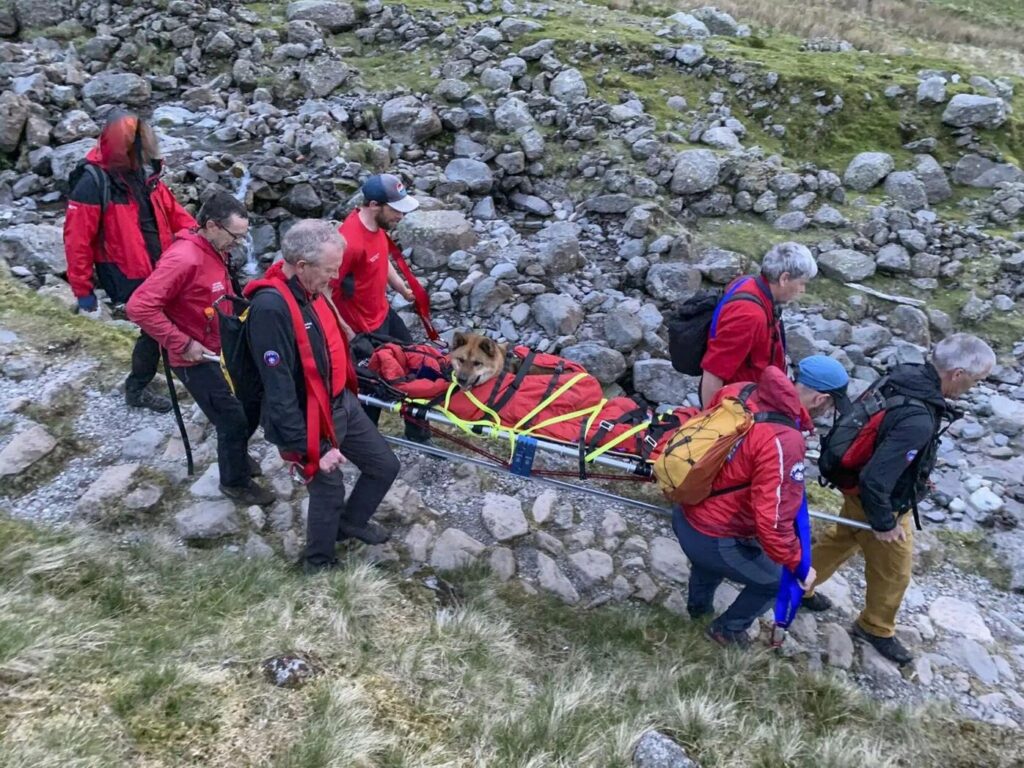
x=582, y=170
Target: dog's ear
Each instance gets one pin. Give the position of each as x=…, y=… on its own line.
x=458, y=340
x=503, y=347
x=488, y=347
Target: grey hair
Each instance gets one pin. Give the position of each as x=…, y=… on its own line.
x=962, y=350
x=794, y=258
x=305, y=239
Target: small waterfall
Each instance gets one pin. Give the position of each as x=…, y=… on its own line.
x=251, y=266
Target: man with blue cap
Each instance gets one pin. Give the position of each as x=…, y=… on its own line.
x=753, y=528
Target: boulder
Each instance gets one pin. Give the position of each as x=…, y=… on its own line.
x=673, y=282
x=332, y=15
x=207, y=520
x=593, y=566
x=932, y=90
x=622, y=330
x=687, y=25
x=569, y=86
x=408, y=120
x=959, y=617
x=554, y=581
x=604, y=364
x=14, y=111
x=559, y=249
x=35, y=15
x=846, y=265
x=477, y=176
x=324, y=76
x=1007, y=415
x=656, y=750
x=503, y=517
x=303, y=200
x=455, y=549
x=969, y=110
x=112, y=485
x=25, y=449
x=513, y=115
x=912, y=324
x=557, y=313
x=931, y=174
x=73, y=126
x=489, y=294
x=906, y=190
x=978, y=171
x=659, y=382
x=117, y=88
x=668, y=561
x=38, y=247
x=721, y=266
x=718, y=22
x=893, y=259
x=867, y=169
x=435, y=235
x=695, y=171
x=838, y=646
x=65, y=158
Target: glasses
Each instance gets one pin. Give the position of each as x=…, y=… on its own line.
x=236, y=237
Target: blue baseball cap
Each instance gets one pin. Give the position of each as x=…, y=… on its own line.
x=822, y=373
x=388, y=189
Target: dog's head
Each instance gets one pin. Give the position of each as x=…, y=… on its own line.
x=475, y=359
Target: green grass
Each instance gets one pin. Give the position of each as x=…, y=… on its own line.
x=143, y=656
x=972, y=552
x=988, y=12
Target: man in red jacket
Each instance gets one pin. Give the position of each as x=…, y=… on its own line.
x=746, y=334
x=120, y=218
x=174, y=305
x=744, y=531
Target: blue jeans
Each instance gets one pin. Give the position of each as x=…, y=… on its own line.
x=740, y=560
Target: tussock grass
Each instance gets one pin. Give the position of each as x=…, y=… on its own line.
x=143, y=656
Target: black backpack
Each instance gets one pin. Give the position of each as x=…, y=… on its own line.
x=236, y=361
x=688, y=331
x=100, y=179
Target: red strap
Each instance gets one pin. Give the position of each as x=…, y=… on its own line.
x=419, y=294
x=318, y=402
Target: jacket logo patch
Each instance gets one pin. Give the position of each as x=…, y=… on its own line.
x=271, y=359
x=796, y=474
x=911, y=455
x=217, y=287
x=373, y=258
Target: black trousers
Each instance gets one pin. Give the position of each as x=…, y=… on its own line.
x=234, y=420
x=396, y=329
x=145, y=361
x=363, y=445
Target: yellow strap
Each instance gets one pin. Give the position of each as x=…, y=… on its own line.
x=612, y=443
x=549, y=400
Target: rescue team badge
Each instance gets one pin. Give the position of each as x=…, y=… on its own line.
x=271, y=358
x=796, y=474
x=911, y=455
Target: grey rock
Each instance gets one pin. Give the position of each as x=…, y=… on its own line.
x=914, y=240
x=912, y=324
x=610, y=204
x=846, y=265
x=143, y=498
x=513, y=115
x=606, y=365
x=829, y=218
x=960, y=617
x=513, y=28
x=931, y=174
x=973, y=656
x=557, y=313
x=838, y=646
x=502, y=562
x=668, y=561
x=932, y=90
x=25, y=449
x=925, y=265
x=569, y=86
x=75, y=125
x=503, y=517
x=593, y=566
x=408, y=120
x=793, y=221
x=686, y=25
x=718, y=22
x=906, y=190
x=487, y=295
x=531, y=204
x=559, y=251
x=37, y=247
x=673, y=282
x=331, y=15
x=967, y=109
x=690, y=55
x=474, y=174
x=143, y=444
x=207, y=520
x=893, y=259
x=117, y=88
x=659, y=382
x=1007, y=415
x=256, y=548
x=554, y=581
x=32, y=14
x=323, y=76
x=695, y=171
x=302, y=199
x=978, y=171
x=455, y=549
x=496, y=80
x=451, y=89
x=656, y=750
x=622, y=330
x=867, y=169
x=720, y=137
x=871, y=337
x=435, y=235
x=721, y=266
x=14, y=112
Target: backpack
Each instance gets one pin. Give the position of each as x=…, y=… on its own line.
x=240, y=371
x=100, y=179
x=689, y=330
x=696, y=452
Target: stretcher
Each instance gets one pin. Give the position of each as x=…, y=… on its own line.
x=616, y=434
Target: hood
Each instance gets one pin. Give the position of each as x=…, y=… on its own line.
x=200, y=242
x=918, y=380
x=120, y=145
x=775, y=392
x=272, y=278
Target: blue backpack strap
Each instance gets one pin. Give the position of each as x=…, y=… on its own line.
x=732, y=295
x=787, y=602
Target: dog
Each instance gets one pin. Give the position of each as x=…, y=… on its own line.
x=476, y=359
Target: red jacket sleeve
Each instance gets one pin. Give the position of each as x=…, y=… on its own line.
x=147, y=306
x=81, y=225
x=741, y=326
x=776, y=492
x=180, y=218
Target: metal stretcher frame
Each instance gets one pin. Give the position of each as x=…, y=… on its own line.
x=524, y=446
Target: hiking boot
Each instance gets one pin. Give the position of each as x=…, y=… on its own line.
x=371, y=533
x=816, y=603
x=727, y=638
x=311, y=569
x=249, y=494
x=255, y=470
x=146, y=399
x=889, y=647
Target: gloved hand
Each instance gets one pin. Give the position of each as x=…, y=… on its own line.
x=87, y=303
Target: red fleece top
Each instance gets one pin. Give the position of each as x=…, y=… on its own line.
x=365, y=265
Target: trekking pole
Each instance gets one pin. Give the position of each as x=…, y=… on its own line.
x=172, y=392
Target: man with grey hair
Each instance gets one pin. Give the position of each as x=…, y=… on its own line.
x=746, y=334
x=881, y=462
x=310, y=409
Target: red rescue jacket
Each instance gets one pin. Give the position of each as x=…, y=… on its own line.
x=745, y=338
x=119, y=254
x=767, y=471
x=174, y=304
